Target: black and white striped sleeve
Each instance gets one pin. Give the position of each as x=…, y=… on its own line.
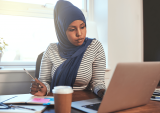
x=98, y=69
x=45, y=69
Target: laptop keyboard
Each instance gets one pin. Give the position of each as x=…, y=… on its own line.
x=92, y=106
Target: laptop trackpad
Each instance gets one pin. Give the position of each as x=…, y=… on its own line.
x=90, y=105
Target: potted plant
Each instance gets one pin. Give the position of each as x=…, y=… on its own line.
x=2, y=46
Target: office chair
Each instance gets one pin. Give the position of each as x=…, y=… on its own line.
x=158, y=84
x=38, y=63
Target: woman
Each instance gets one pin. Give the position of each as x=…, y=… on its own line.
x=75, y=60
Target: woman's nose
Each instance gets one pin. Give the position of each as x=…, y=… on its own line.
x=78, y=33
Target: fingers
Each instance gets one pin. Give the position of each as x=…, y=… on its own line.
x=39, y=83
x=34, y=84
x=36, y=92
x=38, y=88
x=34, y=87
x=101, y=93
x=33, y=92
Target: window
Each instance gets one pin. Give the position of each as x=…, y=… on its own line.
x=27, y=26
x=78, y=3
x=26, y=37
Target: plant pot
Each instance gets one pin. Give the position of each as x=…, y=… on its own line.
x=0, y=59
x=0, y=56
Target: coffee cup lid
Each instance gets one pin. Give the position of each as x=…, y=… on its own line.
x=62, y=90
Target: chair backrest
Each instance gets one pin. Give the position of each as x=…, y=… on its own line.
x=38, y=63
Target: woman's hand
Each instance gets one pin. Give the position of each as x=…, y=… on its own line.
x=101, y=93
x=36, y=89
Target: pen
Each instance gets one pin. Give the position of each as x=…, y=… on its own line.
x=22, y=107
x=31, y=76
x=28, y=73
x=8, y=99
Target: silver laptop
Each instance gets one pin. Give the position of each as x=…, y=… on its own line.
x=132, y=85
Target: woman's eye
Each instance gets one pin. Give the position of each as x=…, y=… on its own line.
x=82, y=27
x=71, y=29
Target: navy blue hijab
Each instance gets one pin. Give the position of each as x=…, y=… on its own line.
x=64, y=14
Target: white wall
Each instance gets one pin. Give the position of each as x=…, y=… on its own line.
x=14, y=81
x=124, y=33
x=101, y=19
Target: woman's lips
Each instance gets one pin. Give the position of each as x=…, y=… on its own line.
x=79, y=40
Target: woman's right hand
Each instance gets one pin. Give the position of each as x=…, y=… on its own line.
x=101, y=93
x=36, y=89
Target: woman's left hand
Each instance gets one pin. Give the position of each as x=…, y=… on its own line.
x=101, y=93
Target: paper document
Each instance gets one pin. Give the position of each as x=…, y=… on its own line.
x=38, y=109
x=27, y=98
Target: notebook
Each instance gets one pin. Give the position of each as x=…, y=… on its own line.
x=38, y=109
x=27, y=98
x=131, y=85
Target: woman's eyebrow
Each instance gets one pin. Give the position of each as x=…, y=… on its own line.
x=71, y=26
x=82, y=23
x=75, y=26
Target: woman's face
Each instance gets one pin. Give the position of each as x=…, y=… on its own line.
x=76, y=32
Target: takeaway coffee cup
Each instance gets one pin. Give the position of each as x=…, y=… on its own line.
x=62, y=99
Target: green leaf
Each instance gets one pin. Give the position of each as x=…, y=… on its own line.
x=1, y=48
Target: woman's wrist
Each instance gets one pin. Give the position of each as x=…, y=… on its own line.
x=50, y=94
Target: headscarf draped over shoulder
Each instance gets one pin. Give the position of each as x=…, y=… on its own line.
x=64, y=14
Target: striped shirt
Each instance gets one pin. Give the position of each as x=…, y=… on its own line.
x=91, y=72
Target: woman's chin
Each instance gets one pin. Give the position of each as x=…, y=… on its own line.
x=78, y=44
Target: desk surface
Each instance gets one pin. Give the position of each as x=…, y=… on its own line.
x=151, y=107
